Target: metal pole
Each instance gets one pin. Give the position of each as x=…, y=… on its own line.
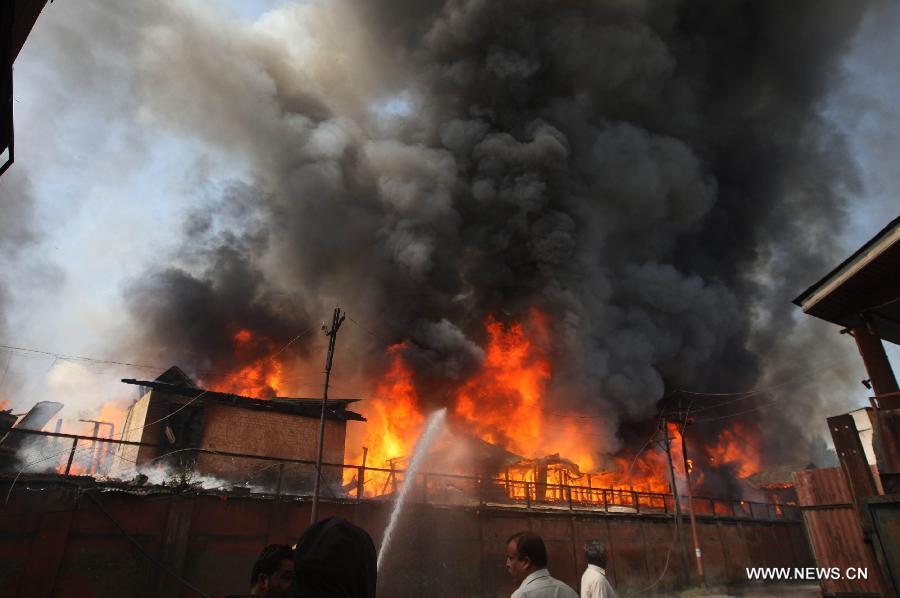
x=71, y=456
x=336, y=321
x=690, y=497
x=361, y=476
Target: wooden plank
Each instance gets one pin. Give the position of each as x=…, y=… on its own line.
x=857, y=473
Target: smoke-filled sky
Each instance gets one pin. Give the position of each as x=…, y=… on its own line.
x=660, y=178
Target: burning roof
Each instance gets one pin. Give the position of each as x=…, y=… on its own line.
x=778, y=477
x=174, y=382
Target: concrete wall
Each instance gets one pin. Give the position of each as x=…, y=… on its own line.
x=57, y=541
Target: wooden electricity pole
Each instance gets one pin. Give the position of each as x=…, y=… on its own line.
x=679, y=524
x=336, y=321
x=690, y=502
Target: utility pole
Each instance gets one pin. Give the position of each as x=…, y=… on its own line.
x=690, y=495
x=679, y=524
x=336, y=321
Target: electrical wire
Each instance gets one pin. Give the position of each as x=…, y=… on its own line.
x=26, y=352
x=382, y=339
x=134, y=429
x=642, y=449
x=740, y=395
x=739, y=413
x=674, y=531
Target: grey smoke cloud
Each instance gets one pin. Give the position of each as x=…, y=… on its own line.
x=657, y=177
x=630, y=169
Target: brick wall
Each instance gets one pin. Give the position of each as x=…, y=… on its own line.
x=240, y=430
x=271, y=434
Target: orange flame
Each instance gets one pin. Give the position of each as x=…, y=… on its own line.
x=737, y=447
x=394, y=421
x=261, y=378
x=397, y=420
x=502, y=403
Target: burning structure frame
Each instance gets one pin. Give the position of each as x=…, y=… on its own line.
x=430, y=487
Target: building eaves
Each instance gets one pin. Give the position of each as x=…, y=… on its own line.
x=307, y=407
x=864, y=288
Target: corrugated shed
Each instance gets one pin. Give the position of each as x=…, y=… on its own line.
x=834, y=531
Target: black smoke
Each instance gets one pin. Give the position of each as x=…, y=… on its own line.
x=657, y=177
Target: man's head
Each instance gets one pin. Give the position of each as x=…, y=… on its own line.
x=595, y=551
x=335, y=559
x=273, y=572
x=525, y=553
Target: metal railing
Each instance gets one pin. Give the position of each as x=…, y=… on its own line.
x=210, y=469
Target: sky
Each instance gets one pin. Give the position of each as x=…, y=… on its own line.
x=106, y=187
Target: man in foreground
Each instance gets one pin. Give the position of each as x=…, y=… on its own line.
x=335, y=559
x=273, y=572
x=594, y=583
x=526, y=561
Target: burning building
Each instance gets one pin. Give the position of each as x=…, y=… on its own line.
x=544, y=217
x=552, y=225
x=177, y=417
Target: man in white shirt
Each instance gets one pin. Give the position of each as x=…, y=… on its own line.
x=594, y=583
x=526, y=561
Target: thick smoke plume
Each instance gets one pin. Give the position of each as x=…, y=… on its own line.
x=656, y=177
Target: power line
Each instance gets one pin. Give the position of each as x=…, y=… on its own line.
x=382, y=339
x=739, y=413
x=134, y=429
x=643, y=448
x=755, y=391
x=25, y=351
x=674, y=532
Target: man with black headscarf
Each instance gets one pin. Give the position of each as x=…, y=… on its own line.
x=334, y=559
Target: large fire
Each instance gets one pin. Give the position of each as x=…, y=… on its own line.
x=737, y=447
x=503, y=403
x=91, y=457
x=394, y=419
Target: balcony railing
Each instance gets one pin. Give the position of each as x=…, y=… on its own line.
x=117, y=461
